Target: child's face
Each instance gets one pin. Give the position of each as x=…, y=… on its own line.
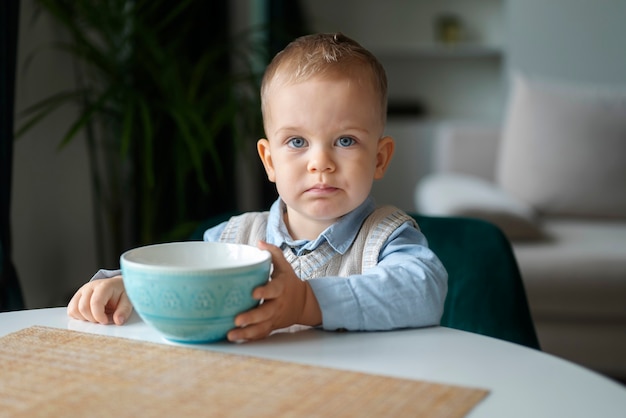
x=323, y=148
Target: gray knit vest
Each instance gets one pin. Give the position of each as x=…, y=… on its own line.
x=324, y=261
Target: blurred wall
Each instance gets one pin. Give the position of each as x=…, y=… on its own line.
x=577, y=40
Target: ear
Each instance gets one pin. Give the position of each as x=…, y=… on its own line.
x=386, y=146
x=263, y=148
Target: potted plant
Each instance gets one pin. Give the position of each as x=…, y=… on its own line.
x=163, y=111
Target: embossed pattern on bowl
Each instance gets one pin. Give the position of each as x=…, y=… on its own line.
x=191, y=292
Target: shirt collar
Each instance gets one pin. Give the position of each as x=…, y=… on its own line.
x=339, y=235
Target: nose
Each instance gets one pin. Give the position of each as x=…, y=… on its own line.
x=321, y=160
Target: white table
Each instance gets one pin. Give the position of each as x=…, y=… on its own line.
x=523, y=382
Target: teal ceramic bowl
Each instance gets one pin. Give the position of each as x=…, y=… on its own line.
x=192, y=291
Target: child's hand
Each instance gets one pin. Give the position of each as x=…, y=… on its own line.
x=98, y=300
x=287, y=301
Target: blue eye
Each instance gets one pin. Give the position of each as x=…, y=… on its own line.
x=345, y=141
x=297, y=142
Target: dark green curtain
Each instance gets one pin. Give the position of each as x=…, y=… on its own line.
x=10, y=292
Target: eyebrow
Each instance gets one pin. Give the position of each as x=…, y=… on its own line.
x=343, y=129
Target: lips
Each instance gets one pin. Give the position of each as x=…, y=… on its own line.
x=321, y=188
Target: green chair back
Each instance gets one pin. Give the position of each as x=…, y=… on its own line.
x=485, y=290
x=486, y=294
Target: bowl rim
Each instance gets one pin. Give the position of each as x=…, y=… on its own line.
x=125, y=262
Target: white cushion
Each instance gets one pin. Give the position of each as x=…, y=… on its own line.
x=452, y=194
x=563, y=148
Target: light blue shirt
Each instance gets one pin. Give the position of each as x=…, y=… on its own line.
x=406, y=289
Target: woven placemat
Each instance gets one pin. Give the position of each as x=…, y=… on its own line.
x=53, y=372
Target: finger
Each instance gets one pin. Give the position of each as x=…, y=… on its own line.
x=101, y=298
x=123, y=310
x=278, y=258
x=250, y=333
x=84, y=305
x=270, y=290
x=256, y=315
x=98, y=313
x=72, y=306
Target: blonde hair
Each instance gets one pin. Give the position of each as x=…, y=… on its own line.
x=325, y=54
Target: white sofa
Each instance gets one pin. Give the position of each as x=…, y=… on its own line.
x=553, y=177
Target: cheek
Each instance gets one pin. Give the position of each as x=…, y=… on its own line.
x=280, y=171
x=364, y=172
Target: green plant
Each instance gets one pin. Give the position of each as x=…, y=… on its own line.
x=162, y=109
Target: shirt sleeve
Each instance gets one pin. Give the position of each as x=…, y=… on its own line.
x=213, y=234
x=105, y=274
x=406, y=289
